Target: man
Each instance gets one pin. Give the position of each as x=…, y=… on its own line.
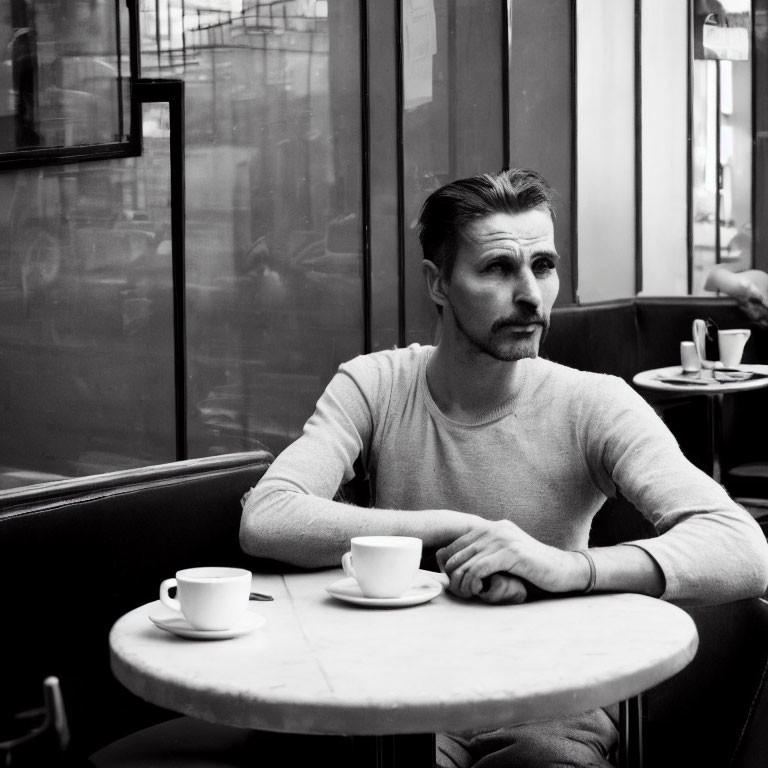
x=500, y=459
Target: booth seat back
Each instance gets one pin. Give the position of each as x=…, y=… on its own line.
x=632, y=335
x=596, y=337
x=662, y=323
x=77, y=554
x=629, y=335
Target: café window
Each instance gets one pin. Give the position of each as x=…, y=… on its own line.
x=721, y=140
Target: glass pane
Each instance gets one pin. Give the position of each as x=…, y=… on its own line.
x=383, y=134
x=453, y=117
x=66, y=73
x=541, y=110
x=704, y=169
x=722, y=146
x=664, y=148
x=736, y=162
x=86, y=321
x=605, y=117
x=273, y=207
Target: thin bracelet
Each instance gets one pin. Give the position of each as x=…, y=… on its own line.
x=592, y=571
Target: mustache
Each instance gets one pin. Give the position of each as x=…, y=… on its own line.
x=516, y=320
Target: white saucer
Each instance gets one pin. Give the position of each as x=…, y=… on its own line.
x=177, y=624
x=348, y=589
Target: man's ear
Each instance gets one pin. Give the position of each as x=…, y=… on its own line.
x=434, y=282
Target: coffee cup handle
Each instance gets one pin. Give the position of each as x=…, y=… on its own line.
x=700, y=342
x=166, y=599
x=346, y=564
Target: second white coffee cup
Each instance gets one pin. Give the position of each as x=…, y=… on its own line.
x=210, y=598
x=383, y=566
x=731, y=344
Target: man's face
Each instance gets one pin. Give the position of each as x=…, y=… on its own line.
x=504, y=284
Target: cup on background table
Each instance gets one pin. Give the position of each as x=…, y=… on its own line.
x=383, y=566
x=731, y=343
x=210, y=598
x=703, y=336
x=689, y=357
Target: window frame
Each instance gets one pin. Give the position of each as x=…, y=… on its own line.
x=130, y=147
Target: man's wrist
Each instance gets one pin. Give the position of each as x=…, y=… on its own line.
x=592, y=571
x=583, y=572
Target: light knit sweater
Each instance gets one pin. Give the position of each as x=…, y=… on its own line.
x=546, y=460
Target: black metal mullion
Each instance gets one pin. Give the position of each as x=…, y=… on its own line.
x=506, y=57
x=689, y=159
x=638, y=149
x=172, y=92
x=718, y=164
x=574, y=157
x=754, y=127
x=400, y=177
x=365, y=122
x=119, y=84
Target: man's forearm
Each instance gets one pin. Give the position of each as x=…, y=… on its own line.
x=625, y=568
x=310, y=531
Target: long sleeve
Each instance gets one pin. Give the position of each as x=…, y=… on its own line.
x=709, y=549
x=290, y=514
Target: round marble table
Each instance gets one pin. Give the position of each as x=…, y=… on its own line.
x=322, y=666
x=671, y=379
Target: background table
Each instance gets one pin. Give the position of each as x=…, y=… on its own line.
x=715, y=393
x=321, y=666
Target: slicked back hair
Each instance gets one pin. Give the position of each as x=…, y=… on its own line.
x=448, y=211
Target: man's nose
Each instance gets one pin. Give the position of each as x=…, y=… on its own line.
x=527, y=289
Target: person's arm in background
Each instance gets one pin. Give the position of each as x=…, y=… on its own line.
x=751, y=285
x=290, y=515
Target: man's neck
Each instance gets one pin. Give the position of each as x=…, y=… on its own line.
x=467, y=384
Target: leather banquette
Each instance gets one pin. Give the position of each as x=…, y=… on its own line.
x=77, y=554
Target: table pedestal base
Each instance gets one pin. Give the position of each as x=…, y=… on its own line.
x=631, y=733
x=413, y=750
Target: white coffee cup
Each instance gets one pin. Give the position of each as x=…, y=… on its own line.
x=731, y=344
x=383, y=566
x=689, y=357
x=209, y=598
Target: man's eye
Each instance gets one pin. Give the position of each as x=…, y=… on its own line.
x=542, y=266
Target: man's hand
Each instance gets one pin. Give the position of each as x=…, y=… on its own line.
x=503, y=553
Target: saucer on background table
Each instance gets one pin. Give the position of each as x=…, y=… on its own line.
x=427, y=588
x=178, y=625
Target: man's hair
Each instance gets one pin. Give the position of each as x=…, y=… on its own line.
x=448, y=211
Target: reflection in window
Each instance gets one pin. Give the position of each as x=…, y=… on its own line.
x=453, y=117
x=86, y=317
x=63, y=81
x=273, y=207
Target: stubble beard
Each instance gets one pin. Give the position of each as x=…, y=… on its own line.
x=498, y=347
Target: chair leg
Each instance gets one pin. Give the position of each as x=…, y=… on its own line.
x=631, y=733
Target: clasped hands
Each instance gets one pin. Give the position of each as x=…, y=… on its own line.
x=497, y=561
